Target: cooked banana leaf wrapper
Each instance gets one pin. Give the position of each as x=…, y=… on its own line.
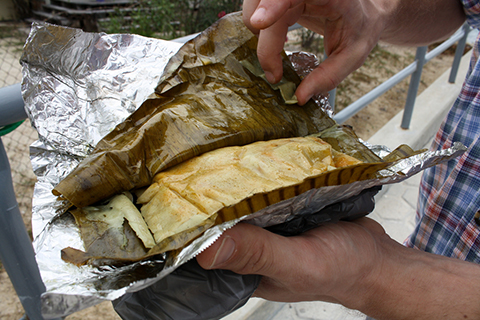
x=218, y=186
x=111, y=114
x=213, y=94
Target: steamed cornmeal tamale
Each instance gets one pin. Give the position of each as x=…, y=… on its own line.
x=185, y=196
x=212, y=95
x=190, y=192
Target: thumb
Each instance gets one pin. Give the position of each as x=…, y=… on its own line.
x=244, y=249
x=328, y=75
x=344, y=57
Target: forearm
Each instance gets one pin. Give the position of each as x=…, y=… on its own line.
x=413, y=22
x=410, y=284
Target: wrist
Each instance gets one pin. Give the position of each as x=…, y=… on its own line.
x=373, y=276
x=410, y=284
x=389, y=281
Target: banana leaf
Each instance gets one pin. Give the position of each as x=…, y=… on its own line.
x=212, y=94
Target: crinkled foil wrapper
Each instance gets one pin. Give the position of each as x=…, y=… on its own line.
x=76, y=90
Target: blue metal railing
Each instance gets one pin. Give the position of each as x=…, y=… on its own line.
x=16, y=252
x=415, y=70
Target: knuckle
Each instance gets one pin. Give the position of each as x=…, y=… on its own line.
x=256, y=263
x=331, y=81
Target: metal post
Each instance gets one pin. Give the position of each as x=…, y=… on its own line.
x=413, y=88
x=331, y=98
x=11, y=105
x=16, y=251
x=459, y=53
x=332, y=93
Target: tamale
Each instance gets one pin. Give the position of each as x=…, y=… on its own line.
x=223, y=185
x=187, y=194
x=182, y=199
x=209, y=97
x=114, y=229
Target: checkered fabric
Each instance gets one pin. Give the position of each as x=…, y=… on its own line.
x=449, y=197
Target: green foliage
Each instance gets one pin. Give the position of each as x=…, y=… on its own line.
x=154, y=17
x=115, y=22
x=146, y=18
x=168, y=19
x=208, y=11
x=14, y=33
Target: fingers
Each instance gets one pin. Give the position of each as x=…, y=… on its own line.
x=263, y=14
x=323, y=263
x=245, y=249
x=249, y=7
x=269, y=49
x=348, y=27
x=271, y=19
x=328, y=75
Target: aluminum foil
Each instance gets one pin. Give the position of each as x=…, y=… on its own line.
x=77, y=87
x=304, y=63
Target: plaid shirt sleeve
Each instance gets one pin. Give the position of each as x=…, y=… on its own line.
x=472, y=9
x=449, y=197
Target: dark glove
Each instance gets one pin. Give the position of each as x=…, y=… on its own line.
x=189, y=293
x=353, y=208
x=192, y=293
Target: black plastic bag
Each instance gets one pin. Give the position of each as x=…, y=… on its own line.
x=353, y=208
x=189, y=293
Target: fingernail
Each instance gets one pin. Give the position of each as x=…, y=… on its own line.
x=259, y=15
x=224, y=252
x=270, y=77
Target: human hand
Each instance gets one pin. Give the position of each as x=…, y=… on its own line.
x=350, y=28
x=327, y=263
x=352, y=263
